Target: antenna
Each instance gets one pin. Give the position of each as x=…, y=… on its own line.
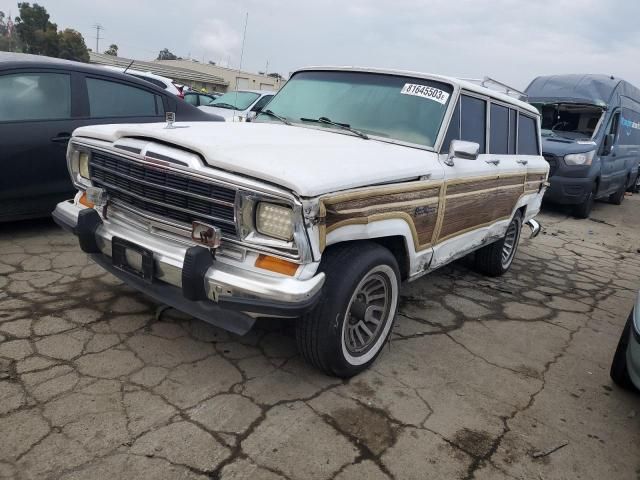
x=130, y=63
x=244, y=36
x=98, y=27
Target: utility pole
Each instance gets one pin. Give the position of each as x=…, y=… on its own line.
x=266, y=70
x=98, y=27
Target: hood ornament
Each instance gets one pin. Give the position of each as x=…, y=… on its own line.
x=170, y=118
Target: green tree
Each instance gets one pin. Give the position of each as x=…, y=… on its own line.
x=112, y=50
x=36, y=33
x=165, y=54
x=71, y=46
x=3, y=25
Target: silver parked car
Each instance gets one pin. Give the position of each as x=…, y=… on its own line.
x=625, y=368
x=240, y=105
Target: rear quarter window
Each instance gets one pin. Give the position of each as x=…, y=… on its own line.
x=527, y=136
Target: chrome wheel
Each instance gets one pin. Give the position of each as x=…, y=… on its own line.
x=369, y=311
x=510, y=243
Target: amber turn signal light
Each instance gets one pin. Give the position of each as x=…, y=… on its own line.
x=275, y=264
x=85, y=201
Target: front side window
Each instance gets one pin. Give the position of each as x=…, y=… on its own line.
x=499, y=137
x=35, y=96
x=527, y=136
x=235, y=100
x=473, y=124
x=112, y=99
x=399, y=108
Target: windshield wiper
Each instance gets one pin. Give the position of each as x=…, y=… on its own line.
x=275, y=115
x=223, y=105
x=344, y=126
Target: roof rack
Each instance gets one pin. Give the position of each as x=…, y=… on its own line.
x=490, y=81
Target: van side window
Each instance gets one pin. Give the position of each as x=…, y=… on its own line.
x=629, y=130
x=513, y=125
x=527, y=136
x=473, y=127
x=499, y=130
x=453, y=132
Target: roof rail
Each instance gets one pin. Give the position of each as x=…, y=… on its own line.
x=490, y=81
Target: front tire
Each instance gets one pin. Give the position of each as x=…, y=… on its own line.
x=618, y=197
x=619, y=371
x=583, y=210
x=495, y=259
x=347, y=330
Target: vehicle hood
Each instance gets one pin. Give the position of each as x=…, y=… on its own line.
x=560, y=146
x=225, y=113
x=307, y=161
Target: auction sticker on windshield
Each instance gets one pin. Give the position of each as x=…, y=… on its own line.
x=425, y=91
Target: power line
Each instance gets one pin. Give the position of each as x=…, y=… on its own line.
x=98, y=27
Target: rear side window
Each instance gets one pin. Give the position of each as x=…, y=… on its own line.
x=474, y=121
x=112, y=99
x=499, y=132
x=527, y=136
x=35, y=96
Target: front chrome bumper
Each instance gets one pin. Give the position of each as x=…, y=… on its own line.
x=230, y=296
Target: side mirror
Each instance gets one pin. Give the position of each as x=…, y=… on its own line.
x=607, y=146
x=462, y=149
x=251, y=115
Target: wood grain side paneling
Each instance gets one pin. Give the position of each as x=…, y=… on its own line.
x=473, y=185
x=463, y=213
x=417, y=206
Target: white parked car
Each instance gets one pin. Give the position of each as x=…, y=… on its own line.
x=162, y=82
x=240, y=105
x=349, y=183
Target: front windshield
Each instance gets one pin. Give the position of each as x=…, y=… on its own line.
x=395, y=107
x=572, y=121
x=235, y=100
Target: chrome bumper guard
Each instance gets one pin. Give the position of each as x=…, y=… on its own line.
x=534, y=226
x=221, y=294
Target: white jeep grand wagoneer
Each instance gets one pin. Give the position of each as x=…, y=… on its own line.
x=348, y=183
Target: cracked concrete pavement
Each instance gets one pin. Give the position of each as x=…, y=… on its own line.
x=97, y=381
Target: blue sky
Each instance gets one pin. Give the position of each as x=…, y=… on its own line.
x=511, y=40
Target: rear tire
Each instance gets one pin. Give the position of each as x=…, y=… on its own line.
x=618, y=197
x=619, y=372
x=347, y=330
x=495, y=259
x=583, y=210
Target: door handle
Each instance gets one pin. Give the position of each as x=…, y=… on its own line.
x=522, y=162
x=61, y=138
x=495, y=161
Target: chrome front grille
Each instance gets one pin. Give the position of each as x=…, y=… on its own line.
x=164, y=193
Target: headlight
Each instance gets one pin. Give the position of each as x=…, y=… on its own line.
x=580, y=158
x=274, y=221
x=83, y=164
x=78, y=164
